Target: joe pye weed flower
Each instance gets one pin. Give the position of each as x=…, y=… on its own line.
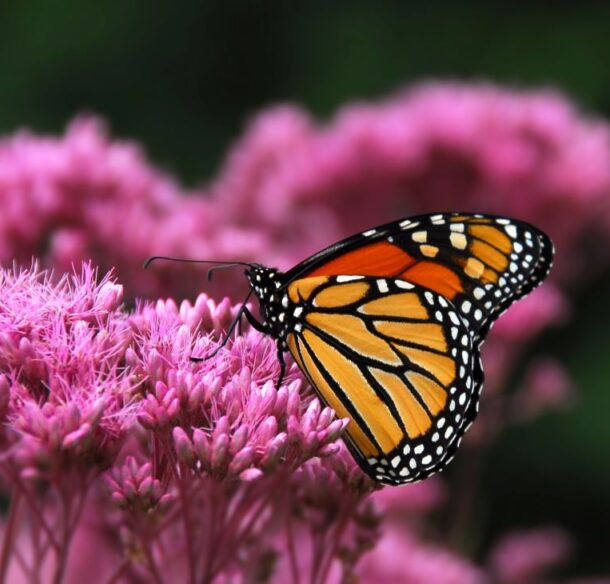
x=194, y=470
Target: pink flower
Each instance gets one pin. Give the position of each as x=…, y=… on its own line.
x=291, y=186
x=134, y=486
x=62, y=347
x=546, y=386
x=400, y=558
x=414, y=499
x=524, y=556
x=86, y=387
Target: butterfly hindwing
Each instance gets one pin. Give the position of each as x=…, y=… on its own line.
x=481, y=263
x=396, y=359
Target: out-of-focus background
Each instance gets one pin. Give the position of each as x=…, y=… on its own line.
x=183, y=79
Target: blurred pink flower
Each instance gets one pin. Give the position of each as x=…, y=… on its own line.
x=434, y=147
x=525, y=556
x=413, y=499
x=401, y=559
x=546, y=386
x=291, y=186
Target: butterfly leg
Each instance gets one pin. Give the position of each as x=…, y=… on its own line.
x=280, y=358
x=227, y=336
x=259, y=326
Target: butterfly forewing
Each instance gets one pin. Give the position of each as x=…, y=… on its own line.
x=481, y=263
x=396, y=359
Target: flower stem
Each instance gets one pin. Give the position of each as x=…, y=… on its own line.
x=62, y=554
x=188, y=528
x=292, y=553
x=34, y=508
x=152, y=565
x=116, y=575
x=9, y=533
x=327, y=562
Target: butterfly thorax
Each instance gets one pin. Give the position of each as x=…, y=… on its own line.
x=266, y=283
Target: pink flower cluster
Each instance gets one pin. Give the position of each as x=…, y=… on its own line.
x=103, y=409
x=291, y=186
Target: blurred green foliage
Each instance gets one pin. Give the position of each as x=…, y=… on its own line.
x=183, y=78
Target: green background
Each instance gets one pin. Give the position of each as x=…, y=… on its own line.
x=183, y=77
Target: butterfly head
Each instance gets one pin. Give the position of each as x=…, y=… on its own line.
x=266, y=284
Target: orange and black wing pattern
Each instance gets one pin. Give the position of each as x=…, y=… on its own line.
x=396, y=359
x=481, y=263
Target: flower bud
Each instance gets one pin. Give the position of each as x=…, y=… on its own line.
x=241, y=460
x=184, y=446
x=251, y=474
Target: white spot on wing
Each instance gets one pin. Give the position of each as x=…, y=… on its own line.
x=511, y=230
x=404, y=285
x=382, y=285
x=458, y=240
x=343, y=279
x=420, y=236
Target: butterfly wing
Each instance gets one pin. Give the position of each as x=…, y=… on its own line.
x=394, y=358
x=481, y=263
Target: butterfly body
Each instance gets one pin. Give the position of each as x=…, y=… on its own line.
x=387, y=326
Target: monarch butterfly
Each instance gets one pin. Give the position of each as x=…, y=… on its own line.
x=387, y=326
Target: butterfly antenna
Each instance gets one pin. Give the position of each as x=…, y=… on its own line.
x=221, y=267
x=228, y=333
x=152, y=259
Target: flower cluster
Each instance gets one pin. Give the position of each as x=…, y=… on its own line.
x=290, y=186
x=104, y=409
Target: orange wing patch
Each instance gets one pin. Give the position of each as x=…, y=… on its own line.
x=329, y=396
x=351, y=331
x=489, y=255
x=416, y=420
x=425, y=334
x=341, y=295
x=439, y=366
x=305, y=288
x=349, y=378
x=433, y=395
x=376, y=259
x=492, y=235
x=406, y=305
x=435, y=277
